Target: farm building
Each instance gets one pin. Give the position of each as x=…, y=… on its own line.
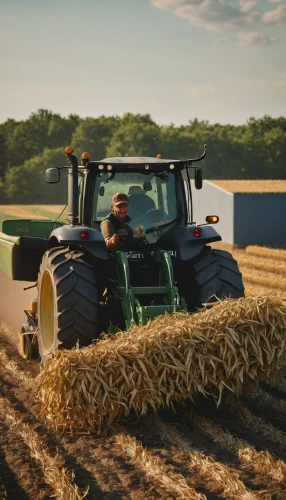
x=250, y=212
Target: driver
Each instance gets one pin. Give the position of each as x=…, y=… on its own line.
x=114, y=227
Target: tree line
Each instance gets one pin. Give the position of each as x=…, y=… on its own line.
x=255, y=150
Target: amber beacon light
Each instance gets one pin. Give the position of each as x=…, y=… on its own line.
x=69, y=150
x=85, y=156
x=212, y=219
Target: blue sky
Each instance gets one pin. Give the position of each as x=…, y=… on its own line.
x=217, y=60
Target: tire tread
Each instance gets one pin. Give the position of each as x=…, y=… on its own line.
x=216, y=276
x=76, y=298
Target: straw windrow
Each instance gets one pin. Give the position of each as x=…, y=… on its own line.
x=271, y=253
x=218, y=478
x=261, y=461
x=55, y=474
x=170, y=480
x=172, y=358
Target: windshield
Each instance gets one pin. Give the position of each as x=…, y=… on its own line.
x=152, y=198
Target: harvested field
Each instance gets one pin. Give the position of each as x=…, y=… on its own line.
x=170, y=455
x=234, y=451
x=248, y=186
x=270, y=253
x=263, y=269
x=29, y=211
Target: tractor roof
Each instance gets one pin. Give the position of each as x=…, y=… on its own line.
x=137, y=159
x=137, y=164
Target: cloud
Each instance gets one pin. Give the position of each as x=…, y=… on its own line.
x=280, y=84
x=200, y=90
x=274, y=17
x=220, y=15
x=221, y=39
x=214, y=15
x=246, y=7
x=254, y=39
x=258, y=84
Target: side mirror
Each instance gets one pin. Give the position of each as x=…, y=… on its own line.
x=52, y=175
x=198, y=178
x=147, y=186
x=101, y=191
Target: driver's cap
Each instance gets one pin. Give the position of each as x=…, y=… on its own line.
x=119, y=198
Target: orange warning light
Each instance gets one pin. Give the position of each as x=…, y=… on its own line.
x=69, y=150
x=159, y=157
x=85, y=156
x=212, y=219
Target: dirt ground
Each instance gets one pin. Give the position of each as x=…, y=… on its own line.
x=14, y=299
x=234, y=452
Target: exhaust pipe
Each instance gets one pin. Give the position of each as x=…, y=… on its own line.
x=72, y=187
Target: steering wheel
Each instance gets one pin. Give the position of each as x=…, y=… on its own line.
x=155, y=211
x=153, y=216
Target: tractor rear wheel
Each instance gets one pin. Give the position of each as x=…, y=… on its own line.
x=215, y=275
x=67, y=302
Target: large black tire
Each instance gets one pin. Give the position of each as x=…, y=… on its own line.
x=67, y=302
x=214, y=275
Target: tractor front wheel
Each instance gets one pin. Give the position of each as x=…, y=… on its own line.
x=67, y=302
x=214, y=275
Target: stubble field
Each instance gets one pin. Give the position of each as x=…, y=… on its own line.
x=237, y=451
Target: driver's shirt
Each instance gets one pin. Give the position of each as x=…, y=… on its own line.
x=111, y=225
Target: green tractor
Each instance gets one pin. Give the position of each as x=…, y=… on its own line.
x=83, y=289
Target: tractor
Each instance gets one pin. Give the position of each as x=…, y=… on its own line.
x=82, y=288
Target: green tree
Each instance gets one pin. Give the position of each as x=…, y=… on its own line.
x=61, y=130
x=29, y=138
x=6, y=130
x=275, y=152
x=94, y=135
x=266, y=124
x=255, y=150
x=137, y=135
x=178, y=143
x=263, y=143
x=224, y=155
x=3, y=154
x=3, y=196
x=26, y=184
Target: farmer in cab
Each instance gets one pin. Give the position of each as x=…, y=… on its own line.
x=114, y=227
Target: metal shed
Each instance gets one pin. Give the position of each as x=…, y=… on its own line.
x=251, y=212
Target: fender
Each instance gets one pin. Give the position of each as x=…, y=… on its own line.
x=181, y=242
x=71, y=235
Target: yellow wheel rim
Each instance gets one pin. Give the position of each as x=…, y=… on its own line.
x=47, y=312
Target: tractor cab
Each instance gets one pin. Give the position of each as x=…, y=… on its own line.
x=155, y=192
